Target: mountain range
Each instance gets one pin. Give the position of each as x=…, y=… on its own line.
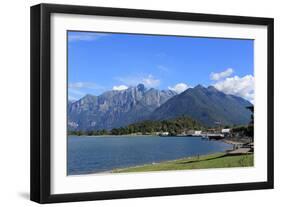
x=114, y=109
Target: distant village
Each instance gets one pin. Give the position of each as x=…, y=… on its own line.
x=241, y=137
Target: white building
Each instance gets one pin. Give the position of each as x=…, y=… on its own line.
x=197, y=132
x=225, y=131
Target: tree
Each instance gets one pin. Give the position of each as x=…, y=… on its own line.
x=250, y=130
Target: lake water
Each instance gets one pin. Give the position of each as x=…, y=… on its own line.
x=98, y=154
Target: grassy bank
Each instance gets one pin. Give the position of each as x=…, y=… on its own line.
x=218, y=160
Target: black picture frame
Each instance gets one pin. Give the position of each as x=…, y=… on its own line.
x=40, y=184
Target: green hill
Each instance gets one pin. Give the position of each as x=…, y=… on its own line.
x=173, y=126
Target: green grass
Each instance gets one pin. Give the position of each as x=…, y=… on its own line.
x=218, y=160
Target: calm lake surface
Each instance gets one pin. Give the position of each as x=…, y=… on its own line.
x=98, y=154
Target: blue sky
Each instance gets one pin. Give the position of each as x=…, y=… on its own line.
x=98, y=62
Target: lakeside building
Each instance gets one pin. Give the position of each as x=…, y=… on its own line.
x=226, y=132
x=164, y=134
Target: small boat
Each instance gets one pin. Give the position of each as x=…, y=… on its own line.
x=197, y=135
x=215, y=136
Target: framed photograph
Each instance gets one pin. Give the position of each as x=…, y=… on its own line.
x=132, y=103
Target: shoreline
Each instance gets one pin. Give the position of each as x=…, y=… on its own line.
x=225, y=140
x=126, y=135
x=186, y=159
x=224, y=153
x=206, y=159
x=197, y=158
x=228, y=141
x=165, y=161
x=153, y=163
x=231, y=142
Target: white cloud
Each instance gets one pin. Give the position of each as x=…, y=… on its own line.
x=180, y=87
x=79, y=89
x=150, y=81
x=75, y=91
x=85, y=36
x=80, y=85
x=238, y=86
x=147, y=80
x=218, y=76
x=119, y=88
x=75, y=94
x=71, y=98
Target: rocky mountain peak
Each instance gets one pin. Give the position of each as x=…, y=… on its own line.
x=199, y=86
x=141, y=87
x=116, y=108
x=212, y=88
